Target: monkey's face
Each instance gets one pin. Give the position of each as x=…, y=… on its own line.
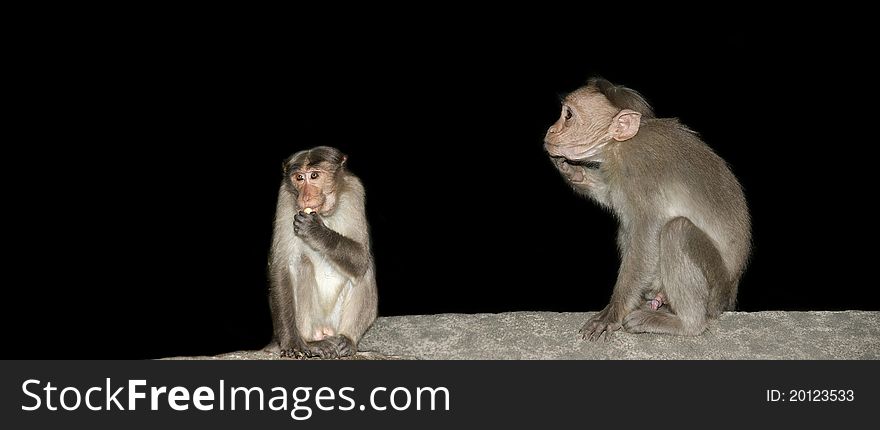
x=315, y=188
x=583, y=127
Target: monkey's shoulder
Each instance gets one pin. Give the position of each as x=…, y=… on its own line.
x=667, y=126
x=668, y=139
x=349, y=218
x=352, y=184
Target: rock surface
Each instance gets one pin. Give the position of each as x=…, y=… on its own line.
x=775, y=335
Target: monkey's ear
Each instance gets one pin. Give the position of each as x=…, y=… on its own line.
x=344, y=159
x=625, y=125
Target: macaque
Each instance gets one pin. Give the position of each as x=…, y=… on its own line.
x=322, y=279
x=684, y=234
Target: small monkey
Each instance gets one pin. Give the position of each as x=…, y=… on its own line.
x=685, y=232
x=322, y=283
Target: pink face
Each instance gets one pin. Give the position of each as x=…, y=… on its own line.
x=316, y=188
x=582, y=127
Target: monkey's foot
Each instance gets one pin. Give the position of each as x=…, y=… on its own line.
x=597, y=325
x=332, y=347
x=644, y=321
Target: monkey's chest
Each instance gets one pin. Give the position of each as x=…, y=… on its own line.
x=328, y=280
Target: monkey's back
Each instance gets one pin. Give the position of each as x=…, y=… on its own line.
x=667, y=166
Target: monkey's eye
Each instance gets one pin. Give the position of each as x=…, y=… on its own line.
x=314, y=175
x=568, y=113
x=300, y=177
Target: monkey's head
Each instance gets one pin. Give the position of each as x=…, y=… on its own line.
x=594, y=116
x=314, y=176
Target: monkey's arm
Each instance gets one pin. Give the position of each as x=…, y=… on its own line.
x=591, y=186
x=635, y=274
x=281, y=281
x=281, y=302
x=585, y=181
x=349, y=255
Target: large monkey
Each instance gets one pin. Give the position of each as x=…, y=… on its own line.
x=684, y=233
x=323, y=288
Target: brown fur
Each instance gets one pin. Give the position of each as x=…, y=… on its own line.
x=684, y=225
x=323, y=289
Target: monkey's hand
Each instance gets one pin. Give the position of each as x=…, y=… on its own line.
x=605, y=321
x=332, y=347
x=310, y=228
x=572, y=173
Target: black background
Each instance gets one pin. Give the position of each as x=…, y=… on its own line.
x=144, y=168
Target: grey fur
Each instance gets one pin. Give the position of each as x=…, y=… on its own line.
x=684, y=230
x=337, y=244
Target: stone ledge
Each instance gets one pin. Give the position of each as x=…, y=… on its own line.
x=775, y=335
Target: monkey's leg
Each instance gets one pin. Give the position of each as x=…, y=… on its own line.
x=358, y=312
x=283, y=303
x=690, y=267
x=637, y=274
x=357, y=305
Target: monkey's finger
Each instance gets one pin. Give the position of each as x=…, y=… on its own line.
x=587, y=330
x=304, y=218
x=329, y=351
x=343, y=346
x=321, y=351
x=346, y=351
x=608, y=333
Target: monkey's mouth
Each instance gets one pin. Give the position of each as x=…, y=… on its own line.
x=590, y=164
x=313, y=208
x=575, y=153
